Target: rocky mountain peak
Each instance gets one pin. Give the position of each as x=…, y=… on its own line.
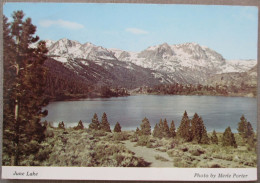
x=188, y=62
x=162, y=51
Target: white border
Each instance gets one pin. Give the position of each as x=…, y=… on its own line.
x=103, y=173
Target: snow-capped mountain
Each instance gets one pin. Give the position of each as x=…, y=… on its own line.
x=171, y=58
x=183, y=63
x=67, y=49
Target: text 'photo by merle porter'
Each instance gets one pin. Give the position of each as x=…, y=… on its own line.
x=166, y=93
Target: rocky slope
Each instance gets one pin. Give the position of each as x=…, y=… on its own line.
x=183, y=63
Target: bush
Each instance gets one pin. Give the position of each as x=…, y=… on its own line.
x=175, y=153
x=158, y=157
x=143, y=140
x=98, y=133
x=215, y=166
x=134, y=138
x=120, y=136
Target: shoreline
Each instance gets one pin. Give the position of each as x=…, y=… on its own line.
x=139, y=94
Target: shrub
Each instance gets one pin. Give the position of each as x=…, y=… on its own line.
x=180, y=162
x=120, y=136
x=158, y=157
x=143, y=140
x=215, y=166
x=175, y=153
x=98, y=133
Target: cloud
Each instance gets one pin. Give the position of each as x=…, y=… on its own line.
x=136, y=31
x=61, y=23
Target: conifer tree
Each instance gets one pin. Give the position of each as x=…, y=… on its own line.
x=228, y=138
x=195, y=128
x=198, y=130
x=105, y=124
x=250, y=136
x=166, y=130
x=204, y=136
x=245, y=130
x=117, y=127
x=80, y=126
x=94, y=125
x=145, y=127
x=214, y=138
x=161, y=125
x=184, y=128
x=24, y=82
x=242, y=127
x=249, y=130
x=172, y=129
x=61, y=125
x=156, y=131
x=160, y=129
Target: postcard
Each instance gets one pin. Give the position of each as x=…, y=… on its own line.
x=129, y=91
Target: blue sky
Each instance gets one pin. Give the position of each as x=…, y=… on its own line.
x=230, y=30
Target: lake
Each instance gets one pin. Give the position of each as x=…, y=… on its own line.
x=217, y=112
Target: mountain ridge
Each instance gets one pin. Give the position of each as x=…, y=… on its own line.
x=188, y=63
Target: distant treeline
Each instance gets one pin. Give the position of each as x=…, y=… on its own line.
x=199, y=89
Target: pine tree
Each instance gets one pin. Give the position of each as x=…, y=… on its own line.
x=214, y=138
x=61, y=125
x=245, y=130
x=184, y=128
x=166, y=130
x=156, y=131
x=145, y=127
x=24, y=82
x=228, y=138
x=249, y=130
x=105, y=124
x=172, y=130
x=198, y=130
x=250, y=136
x=117, y=127
x=160, y=129
x=204, y=136
x=242, y=127
x=80, y=126
x=195, y=128
x=94, y=125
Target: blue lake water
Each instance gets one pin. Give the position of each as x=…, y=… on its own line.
x=216, y=112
